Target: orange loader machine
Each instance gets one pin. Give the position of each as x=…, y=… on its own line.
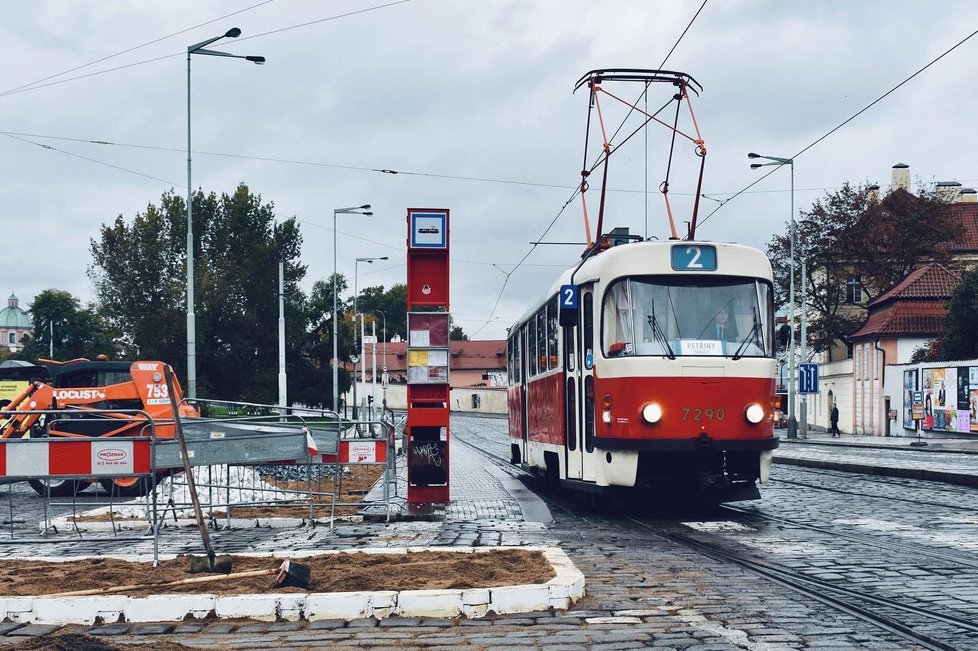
x=95, y=399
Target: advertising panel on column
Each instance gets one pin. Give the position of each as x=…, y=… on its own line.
x=950, y=399
x=909, y=387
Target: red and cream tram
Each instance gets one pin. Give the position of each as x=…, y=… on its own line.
x=662, y=377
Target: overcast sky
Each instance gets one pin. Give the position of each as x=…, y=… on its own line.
x=471, y=101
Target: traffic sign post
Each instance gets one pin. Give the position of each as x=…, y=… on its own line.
x=807, y=378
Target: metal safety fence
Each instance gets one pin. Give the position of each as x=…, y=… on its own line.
x=253, y=465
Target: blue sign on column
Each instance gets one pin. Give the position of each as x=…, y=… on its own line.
x=808, y=378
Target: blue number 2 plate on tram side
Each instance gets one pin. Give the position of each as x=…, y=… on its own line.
x=694, y=257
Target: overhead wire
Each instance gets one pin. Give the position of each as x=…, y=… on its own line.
x=38, y=85
x=89, y=159
x=575, y=193
x=392, y=172
x=133, y=48
x=843, y=123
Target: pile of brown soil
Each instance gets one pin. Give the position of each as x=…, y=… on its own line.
x=330, y=573
x=356, y=484
x=79, y=642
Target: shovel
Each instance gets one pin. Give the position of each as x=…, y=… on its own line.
x=198, y=564
x=289, y=574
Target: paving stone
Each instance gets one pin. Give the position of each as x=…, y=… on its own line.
x=320, y=624
x=220, y=628
x=284, y=627
x=252, y=628
x=33, y=629
x=151, y=629
x=6, y=627
x=189, y=627
x=391, y=622
x=110, y=629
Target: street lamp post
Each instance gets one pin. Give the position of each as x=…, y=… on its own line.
x=355, y=210
x=792, y=421
x=356, y=316
x=383, y=369
x=198, y=48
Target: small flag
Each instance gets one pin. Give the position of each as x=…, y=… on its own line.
x=311, y=445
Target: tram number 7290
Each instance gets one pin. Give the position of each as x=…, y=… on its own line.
x=700, y=414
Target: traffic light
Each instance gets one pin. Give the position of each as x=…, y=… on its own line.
x=370, y=400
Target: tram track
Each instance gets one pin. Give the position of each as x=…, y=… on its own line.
x=889, y=498
x=914, y=624
x=856, y=603
x=869, y=541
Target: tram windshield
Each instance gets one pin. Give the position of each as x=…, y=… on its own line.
x=688, y=316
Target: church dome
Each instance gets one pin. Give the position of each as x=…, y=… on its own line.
x=13, y=317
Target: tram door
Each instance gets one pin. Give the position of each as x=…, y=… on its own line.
x=579, y=392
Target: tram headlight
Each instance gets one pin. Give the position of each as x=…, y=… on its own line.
x=652, y=413
x=754, y=413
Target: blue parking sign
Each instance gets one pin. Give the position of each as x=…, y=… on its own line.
x=808, y=378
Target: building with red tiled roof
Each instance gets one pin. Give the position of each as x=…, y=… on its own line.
x=901, y=320
x=905, y=318
x=964, y=246
x=472, y=363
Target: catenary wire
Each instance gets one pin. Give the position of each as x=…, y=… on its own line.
x=133, y=48
x=388, y=171
x=577, y=190
x=843, y=123
x=176, y=54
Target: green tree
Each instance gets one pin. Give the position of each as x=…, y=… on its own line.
x=852, y=236
x=455, y=332
x=78, y=331
x=959, y=340
x=139, y=271
x=392, y=302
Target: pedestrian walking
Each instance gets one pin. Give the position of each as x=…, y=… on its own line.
x=835, y=421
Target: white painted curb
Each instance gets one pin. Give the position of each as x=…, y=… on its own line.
x=559, y=593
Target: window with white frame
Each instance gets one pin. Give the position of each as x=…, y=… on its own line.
x=854, y=290
x=859, y=362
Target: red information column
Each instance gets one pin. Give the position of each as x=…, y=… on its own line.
x=428, y=358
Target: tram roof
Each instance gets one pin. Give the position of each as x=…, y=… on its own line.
x=652, y=257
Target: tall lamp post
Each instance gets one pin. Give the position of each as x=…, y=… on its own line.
x=383, y=369
x=792, y=420
x=355, y=210
x=356, y=316
x=198, y=48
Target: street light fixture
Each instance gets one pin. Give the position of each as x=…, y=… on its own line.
x=354, y=210
x=792, y=420
x=198, y=48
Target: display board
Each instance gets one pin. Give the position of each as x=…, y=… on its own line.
x=950, y=399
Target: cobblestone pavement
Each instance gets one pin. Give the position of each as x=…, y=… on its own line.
x=644, y=591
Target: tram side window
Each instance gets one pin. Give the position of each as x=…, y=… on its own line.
x=531, y=340
x=588, y=306
x=542, y=339
x=517, y=358
x=553, y=333
x=509, y=361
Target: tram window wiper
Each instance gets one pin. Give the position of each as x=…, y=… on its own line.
x=750, y=335
x=659, y=335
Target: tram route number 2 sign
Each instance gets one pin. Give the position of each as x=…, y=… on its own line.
x=808, y=378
